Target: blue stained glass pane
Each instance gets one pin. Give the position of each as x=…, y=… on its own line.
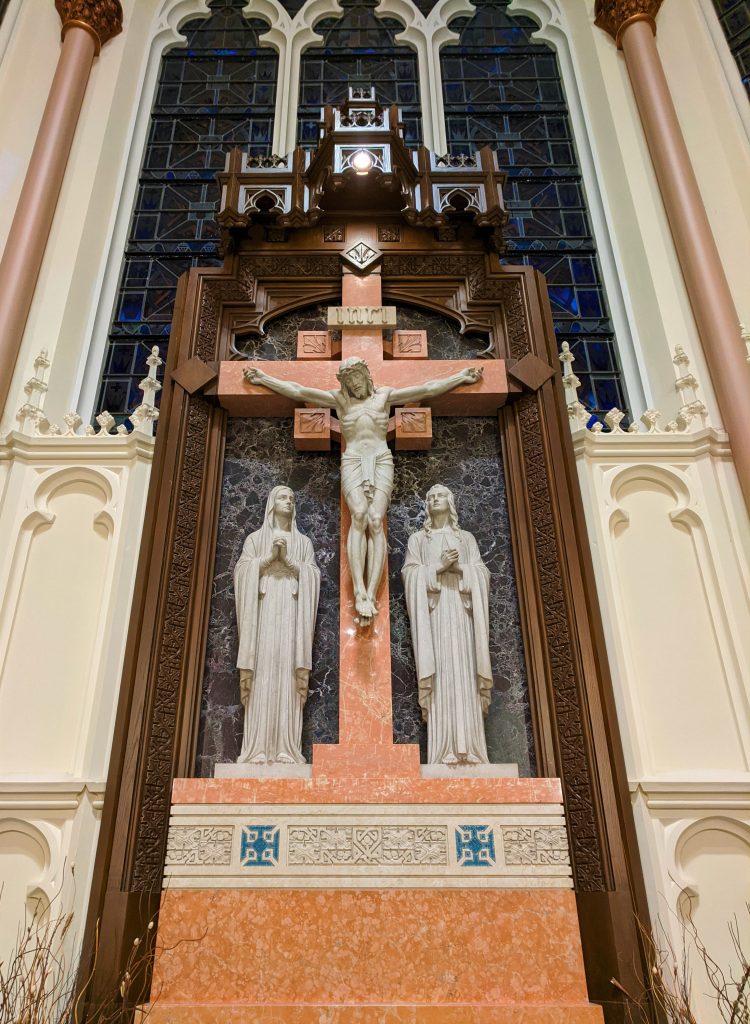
x=584, y=271
x=216, y=92
x=131, y=306
x=121, y=359
x=734, y=16
x=564, y=298
x=589, y=303
x=503, y=88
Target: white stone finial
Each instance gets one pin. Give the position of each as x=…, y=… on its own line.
x=745, y=335
x=650, y=420
x=613, y=419
x=691, y=407
x=106, y=421
x=578, y=414
x=72, y=421
x=146, y=414
x=31, y=413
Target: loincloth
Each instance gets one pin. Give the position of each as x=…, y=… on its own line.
x=370, y=472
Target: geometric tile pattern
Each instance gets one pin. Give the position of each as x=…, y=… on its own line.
x=368, y=846
x=259, y=846
x=475, y=846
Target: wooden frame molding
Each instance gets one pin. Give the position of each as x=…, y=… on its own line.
x=573, y=710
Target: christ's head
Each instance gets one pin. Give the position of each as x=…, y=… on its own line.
x=354, y=375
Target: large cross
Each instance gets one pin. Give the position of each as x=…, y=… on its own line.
x=365, y=717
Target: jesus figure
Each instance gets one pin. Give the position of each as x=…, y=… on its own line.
x=367, y=464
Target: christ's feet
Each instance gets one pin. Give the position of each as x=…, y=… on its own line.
x=365, y=608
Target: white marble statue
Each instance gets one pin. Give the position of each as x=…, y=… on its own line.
x=447, y=595
x=276, y=586
x=367, y=464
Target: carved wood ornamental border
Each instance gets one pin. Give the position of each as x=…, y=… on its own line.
x=572, y=705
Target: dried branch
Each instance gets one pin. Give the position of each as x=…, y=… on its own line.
x=668, y=991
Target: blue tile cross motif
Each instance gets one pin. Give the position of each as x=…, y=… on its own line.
x=475, y=846
x=259, y=846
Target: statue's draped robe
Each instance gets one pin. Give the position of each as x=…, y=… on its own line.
x=276, y=621
x=449, y=615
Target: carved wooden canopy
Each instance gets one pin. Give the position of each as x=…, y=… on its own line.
x=362, y=162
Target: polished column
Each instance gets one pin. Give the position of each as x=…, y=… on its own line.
x=632, y=23
x=86, y=26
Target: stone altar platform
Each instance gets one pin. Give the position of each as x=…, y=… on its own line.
x=369, y=898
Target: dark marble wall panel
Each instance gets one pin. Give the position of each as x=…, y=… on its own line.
x=466, y=457
x=443, y=339
x=260, y=453
x=280, y=339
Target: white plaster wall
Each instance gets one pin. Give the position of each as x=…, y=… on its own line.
x=671, y=562
x=70, y=520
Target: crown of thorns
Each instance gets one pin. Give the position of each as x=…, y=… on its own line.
x=354, y=364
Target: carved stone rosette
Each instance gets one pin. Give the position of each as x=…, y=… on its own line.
x=614, y=16
x=101, y=18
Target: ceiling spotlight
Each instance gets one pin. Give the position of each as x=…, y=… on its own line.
x=362, y=161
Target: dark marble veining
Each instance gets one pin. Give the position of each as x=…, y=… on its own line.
x=443, y=339
x=259, y=454
x=280, y=339
x=465, y=456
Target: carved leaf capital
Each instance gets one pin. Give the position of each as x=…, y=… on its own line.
x=614, y=15
x=103, y=18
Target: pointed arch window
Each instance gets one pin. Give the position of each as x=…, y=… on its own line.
x=216, y=92
x=359, y=48
x=503, y=89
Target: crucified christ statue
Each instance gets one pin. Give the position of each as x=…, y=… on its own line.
x=366, y=464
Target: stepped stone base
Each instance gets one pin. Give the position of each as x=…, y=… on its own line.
x=461, y=956
x=162, y=1013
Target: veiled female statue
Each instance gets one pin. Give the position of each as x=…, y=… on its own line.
x=276, y=585
x=447, y=595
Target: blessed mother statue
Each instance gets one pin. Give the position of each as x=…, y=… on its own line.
x=276, y=586
x=447, y=595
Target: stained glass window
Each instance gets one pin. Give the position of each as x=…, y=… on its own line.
x=216, y=92
x=504, y=90
x=359, y=48
x=734, y=16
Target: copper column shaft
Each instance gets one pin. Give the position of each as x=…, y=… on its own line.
x=27, y=240
x=707, y=286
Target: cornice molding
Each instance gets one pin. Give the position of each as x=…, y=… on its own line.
x=101, y=18
x=96, y=448
x=614, y=16
x=639, y=447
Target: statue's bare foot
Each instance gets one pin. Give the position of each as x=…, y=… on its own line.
x=365, y=609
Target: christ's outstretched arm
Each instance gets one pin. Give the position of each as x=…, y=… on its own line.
x=433, y=388
x=289, y=389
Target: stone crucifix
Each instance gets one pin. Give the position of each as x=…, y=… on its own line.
x=361, y=389
x=366, y=463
